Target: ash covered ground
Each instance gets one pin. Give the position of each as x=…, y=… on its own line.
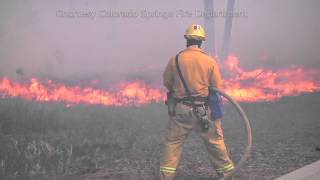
x=51, y=141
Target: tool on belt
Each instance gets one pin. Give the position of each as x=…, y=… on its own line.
x=199, y=111
x=171, y=103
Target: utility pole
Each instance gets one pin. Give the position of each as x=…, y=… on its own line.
x=210, y=47
x=227, y=30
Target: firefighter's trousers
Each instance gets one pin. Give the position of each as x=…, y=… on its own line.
x=179, y=128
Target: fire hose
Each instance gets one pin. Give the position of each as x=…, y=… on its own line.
x=245, y=119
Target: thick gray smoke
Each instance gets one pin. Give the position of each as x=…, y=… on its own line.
x=64, y=38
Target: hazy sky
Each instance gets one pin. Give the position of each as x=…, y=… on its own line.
x=36, y=35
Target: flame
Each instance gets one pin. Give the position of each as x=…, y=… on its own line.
x=133, y=93
x=268, y=85
x=243, y=85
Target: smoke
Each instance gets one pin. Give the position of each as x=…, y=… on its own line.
x=114, y=39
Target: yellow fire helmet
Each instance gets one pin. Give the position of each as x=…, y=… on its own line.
x=195, y=31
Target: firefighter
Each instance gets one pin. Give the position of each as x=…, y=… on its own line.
x=200, y=72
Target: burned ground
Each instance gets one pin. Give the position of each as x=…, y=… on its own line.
x=52, y=141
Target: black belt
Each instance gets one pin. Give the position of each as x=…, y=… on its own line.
x=198, y=101
x=196, y=104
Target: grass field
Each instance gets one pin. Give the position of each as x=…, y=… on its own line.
x=51, y=141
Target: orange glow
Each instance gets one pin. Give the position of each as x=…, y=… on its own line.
x=245, y=86
x=268, y=85
x=135, y=93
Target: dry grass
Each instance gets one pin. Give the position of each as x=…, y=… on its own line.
x=50, y=141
